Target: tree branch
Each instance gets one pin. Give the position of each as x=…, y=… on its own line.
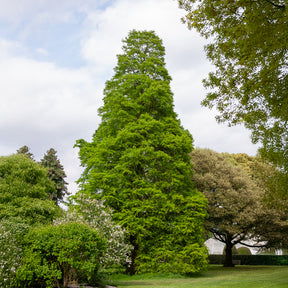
x=276, y=5
x=252, y=246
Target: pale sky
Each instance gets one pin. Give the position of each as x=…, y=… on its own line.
x=55, y=57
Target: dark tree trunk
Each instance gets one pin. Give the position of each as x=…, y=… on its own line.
x=132, y=267
x=228, y=256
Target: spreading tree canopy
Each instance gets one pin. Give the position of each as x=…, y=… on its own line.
x=236, y=209
x=272, y=227
x=138, y=161
x=249, y=41
x=56, y=173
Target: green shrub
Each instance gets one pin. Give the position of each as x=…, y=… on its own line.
x=252, y=259
x=244, y=251
x=55, y=255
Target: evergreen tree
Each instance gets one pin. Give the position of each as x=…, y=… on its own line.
x=138, y=161
x=56, y=173
x=25, y=150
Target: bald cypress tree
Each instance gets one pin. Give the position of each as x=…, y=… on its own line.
x=138, y=161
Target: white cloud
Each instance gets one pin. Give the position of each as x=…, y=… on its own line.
x=44, y=105
x=49, y=10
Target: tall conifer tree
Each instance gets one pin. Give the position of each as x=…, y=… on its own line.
x=56, y=173
x=138, y=161
x=25, y=150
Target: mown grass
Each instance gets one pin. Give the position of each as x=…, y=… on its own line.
x=215, y=277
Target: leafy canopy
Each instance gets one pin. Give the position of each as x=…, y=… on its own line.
x=24, y=190
x=235, y=196
x=99, y=217
x=248, y=48
x=138, y=162
x=60, y=254
x=24, y=203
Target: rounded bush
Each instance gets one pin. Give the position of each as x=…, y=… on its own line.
x=244, y=251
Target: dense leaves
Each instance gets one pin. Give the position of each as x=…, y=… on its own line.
x=99, y=217
x=24, y=190
x=25, y=150
x=249, y=41
x=56, y=174
x=24, y=202
x=60, y=254
x=138, y=162
x=235, y=200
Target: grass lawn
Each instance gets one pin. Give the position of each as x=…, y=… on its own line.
x=215, y=277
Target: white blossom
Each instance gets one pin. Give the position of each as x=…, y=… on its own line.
x=98, y=216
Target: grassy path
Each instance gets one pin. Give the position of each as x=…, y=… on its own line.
x=215, y=277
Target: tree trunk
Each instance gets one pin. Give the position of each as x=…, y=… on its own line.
x=228, y=256
x=131, y=268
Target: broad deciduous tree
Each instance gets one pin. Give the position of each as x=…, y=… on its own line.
x=235, y=200
x=249, y=51
x=272, y=227
x=24, y=202
x=138, y=161
x=24, y=190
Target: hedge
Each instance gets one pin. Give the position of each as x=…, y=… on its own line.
x=251, y=259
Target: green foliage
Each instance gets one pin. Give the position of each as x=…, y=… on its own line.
x=244, y=251
x=56, y=174
x=274, y=203
x=249, y=51
x=99, y=217
x=138, y=162
x=24, y=202
x=249, y=259
x=25, y=150
x=235, y=200
x=24, y=189
x=59, y=254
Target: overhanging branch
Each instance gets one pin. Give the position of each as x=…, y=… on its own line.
x=252, y=246
x=276, y=5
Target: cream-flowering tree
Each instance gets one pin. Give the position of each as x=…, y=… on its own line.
x=100, y=217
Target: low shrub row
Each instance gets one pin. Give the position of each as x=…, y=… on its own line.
x=251, y=259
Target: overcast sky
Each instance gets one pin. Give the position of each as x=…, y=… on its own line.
x=55, y=57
